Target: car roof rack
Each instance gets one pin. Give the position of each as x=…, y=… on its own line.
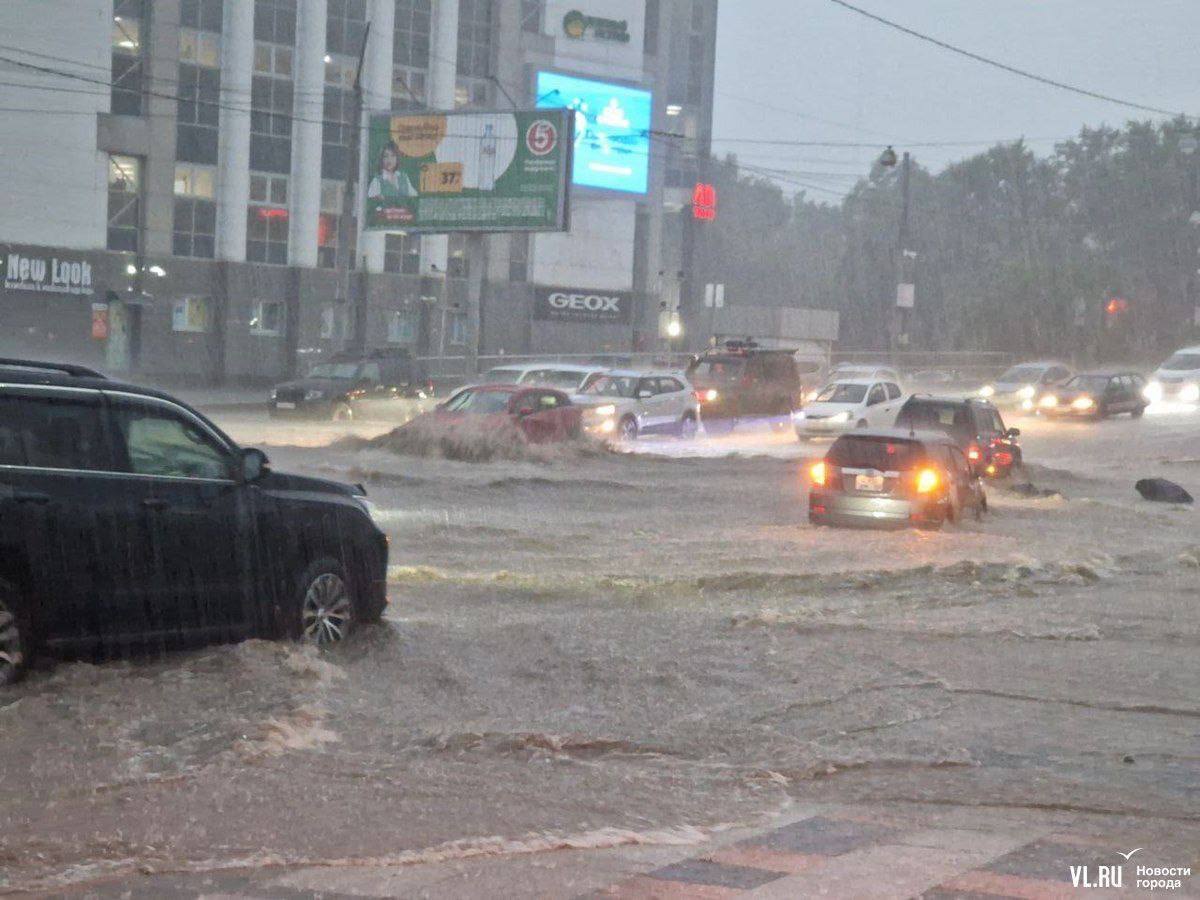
x=65, y=368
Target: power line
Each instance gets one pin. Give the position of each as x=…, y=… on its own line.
x=1023, y=73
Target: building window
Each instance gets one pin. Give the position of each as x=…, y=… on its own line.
x=266, y=318
x=345, y=26
x=335, y=322
x=650, y=43
x=402, y=253
x=275, y=21
x=200, y=47
x=457, y=265
x=190, y=314
x=401, y=327
x=456, y=328
x=271, y=120
x=408, y=89
x=475, y=38
x=471, y=92
x=124, y=203
x=337, y=120
x=128, y=35
x=273, y=59
x=518, y=257
x=195, y=229
x=329, y=223
x=267, y=219
x=197, y=113
x=410, y=40
x=532, y=12
x=696, y=69
x=205, y=15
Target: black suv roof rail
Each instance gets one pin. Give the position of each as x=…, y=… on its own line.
x=65, y=368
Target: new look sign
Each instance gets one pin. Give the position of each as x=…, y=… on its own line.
x=45, y=274
x=561, y=304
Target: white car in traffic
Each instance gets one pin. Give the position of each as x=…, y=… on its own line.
x=846, y=404
x=625, y=403
x=1178, y=379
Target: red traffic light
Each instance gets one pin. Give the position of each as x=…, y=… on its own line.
x=1116, y=306
x=704, y=202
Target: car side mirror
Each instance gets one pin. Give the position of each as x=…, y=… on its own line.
x=1013, y=432
x=254, y=465
x=525, y=411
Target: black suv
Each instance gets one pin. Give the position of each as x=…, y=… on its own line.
x=975, y=425
x=127, y=518
x=740, y=380
x=354, y=385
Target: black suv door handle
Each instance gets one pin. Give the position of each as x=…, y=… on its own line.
x=155, y=503
x=30, y=497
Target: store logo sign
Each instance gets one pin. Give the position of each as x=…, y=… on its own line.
x=575, y=305
x=46, y=274
x=577, y=26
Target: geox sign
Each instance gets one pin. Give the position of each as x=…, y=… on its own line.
x=559, y=304
x=45, y=274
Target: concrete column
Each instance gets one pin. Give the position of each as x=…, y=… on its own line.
x=304, y=192
x=443, y=73
x=233, y=151
x=377, y=97
x=162, y=70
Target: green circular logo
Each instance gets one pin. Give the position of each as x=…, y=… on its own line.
x=574, y=24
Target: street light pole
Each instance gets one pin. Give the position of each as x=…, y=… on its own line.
x=905, y=173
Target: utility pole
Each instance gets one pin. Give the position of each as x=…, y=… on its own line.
x=344, y=252
x=905, y=277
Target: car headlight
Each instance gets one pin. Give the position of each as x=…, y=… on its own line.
x=840, y=417
x=314, y=395
x=607, y=410
x=1083, y=403
x=1153, y=391
x=987, y=391
x=1189, y=393
x=811, y=396
x=608, y=426
x=1027, y=392
x=710, y=395
x=1027, y=404
x=1049, y=401
x=798, y=414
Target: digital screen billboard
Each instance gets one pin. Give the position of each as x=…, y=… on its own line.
x=469, y=171
x=612, y=130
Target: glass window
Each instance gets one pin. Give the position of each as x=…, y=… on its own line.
x=612, y=386
x=271, y=124
x=275, y=21
x=532, y=12
x=190, y=314
x=650, y=43
x=479, y=401
x=202, y=48
x=410, y=39
x=195, y=224
x=401, y=327
x=345, y=26
x=518, y=257
x=197, y=113
x=53, y=433
x=408, y=89
x=336, y=129
x=475, y=38
x=402, y=253
x=893, y=391
x=881, y=454
x=456, y=328
x=842, y=393
x=158, y=441
x=124, y=203
x=334, y=322
x=457, y=264
x=205, y=15
x=266, y=318
x=129, y=21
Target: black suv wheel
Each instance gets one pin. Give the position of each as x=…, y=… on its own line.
x=326, y=611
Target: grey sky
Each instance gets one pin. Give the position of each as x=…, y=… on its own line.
x=836, y=76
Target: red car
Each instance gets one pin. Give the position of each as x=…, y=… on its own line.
x=542, y=414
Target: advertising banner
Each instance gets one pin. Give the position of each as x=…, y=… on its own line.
x=469, y=171
x=563, y=304
x=45, y=273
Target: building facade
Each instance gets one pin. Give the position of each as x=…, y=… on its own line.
x=176, y=171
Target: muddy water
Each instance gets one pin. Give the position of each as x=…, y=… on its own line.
x=613, y=645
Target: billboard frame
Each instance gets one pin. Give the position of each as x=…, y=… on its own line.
x=565, y=173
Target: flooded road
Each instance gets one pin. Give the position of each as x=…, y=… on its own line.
x=645, y=643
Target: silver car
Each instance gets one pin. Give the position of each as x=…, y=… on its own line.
x=626, y=403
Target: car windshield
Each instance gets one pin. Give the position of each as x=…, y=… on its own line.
x=341, y=371
x=1182, y=362
x=1091, y=384
x=866, y=452
x=613, y=386
x=502, y=376
x=484, y=402
x=842, y=393
x=563, y=379
x=718, y=369
x=935, y=416
x=1021, y=374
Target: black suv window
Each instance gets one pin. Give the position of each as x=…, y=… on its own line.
x=988, y=421
x=53, y=432
x=159, y=441
x=936, y=415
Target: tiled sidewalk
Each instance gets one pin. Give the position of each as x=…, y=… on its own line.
x=842, y=853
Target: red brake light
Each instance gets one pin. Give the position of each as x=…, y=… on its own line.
x=973, y=453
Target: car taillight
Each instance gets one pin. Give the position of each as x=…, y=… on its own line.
x=706, y=396
x=927, y=481
x=1003, y=458
x=818, y=474
x=974, y=454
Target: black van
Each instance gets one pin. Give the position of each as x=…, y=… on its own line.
x=354, y=386
x=128, y=518
x=741, y=380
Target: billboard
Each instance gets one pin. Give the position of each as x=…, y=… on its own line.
x=468, y=171
x=612, y=130
x=566, y=304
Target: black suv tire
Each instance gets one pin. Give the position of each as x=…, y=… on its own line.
x=325, y=608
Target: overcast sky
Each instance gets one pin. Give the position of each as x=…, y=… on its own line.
x=833, y=75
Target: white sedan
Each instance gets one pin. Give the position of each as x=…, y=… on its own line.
x=846, y=404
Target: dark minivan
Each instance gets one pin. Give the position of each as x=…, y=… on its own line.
x=741, y=380
x=975, y=425
x=129, y=519
x=355, y=386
